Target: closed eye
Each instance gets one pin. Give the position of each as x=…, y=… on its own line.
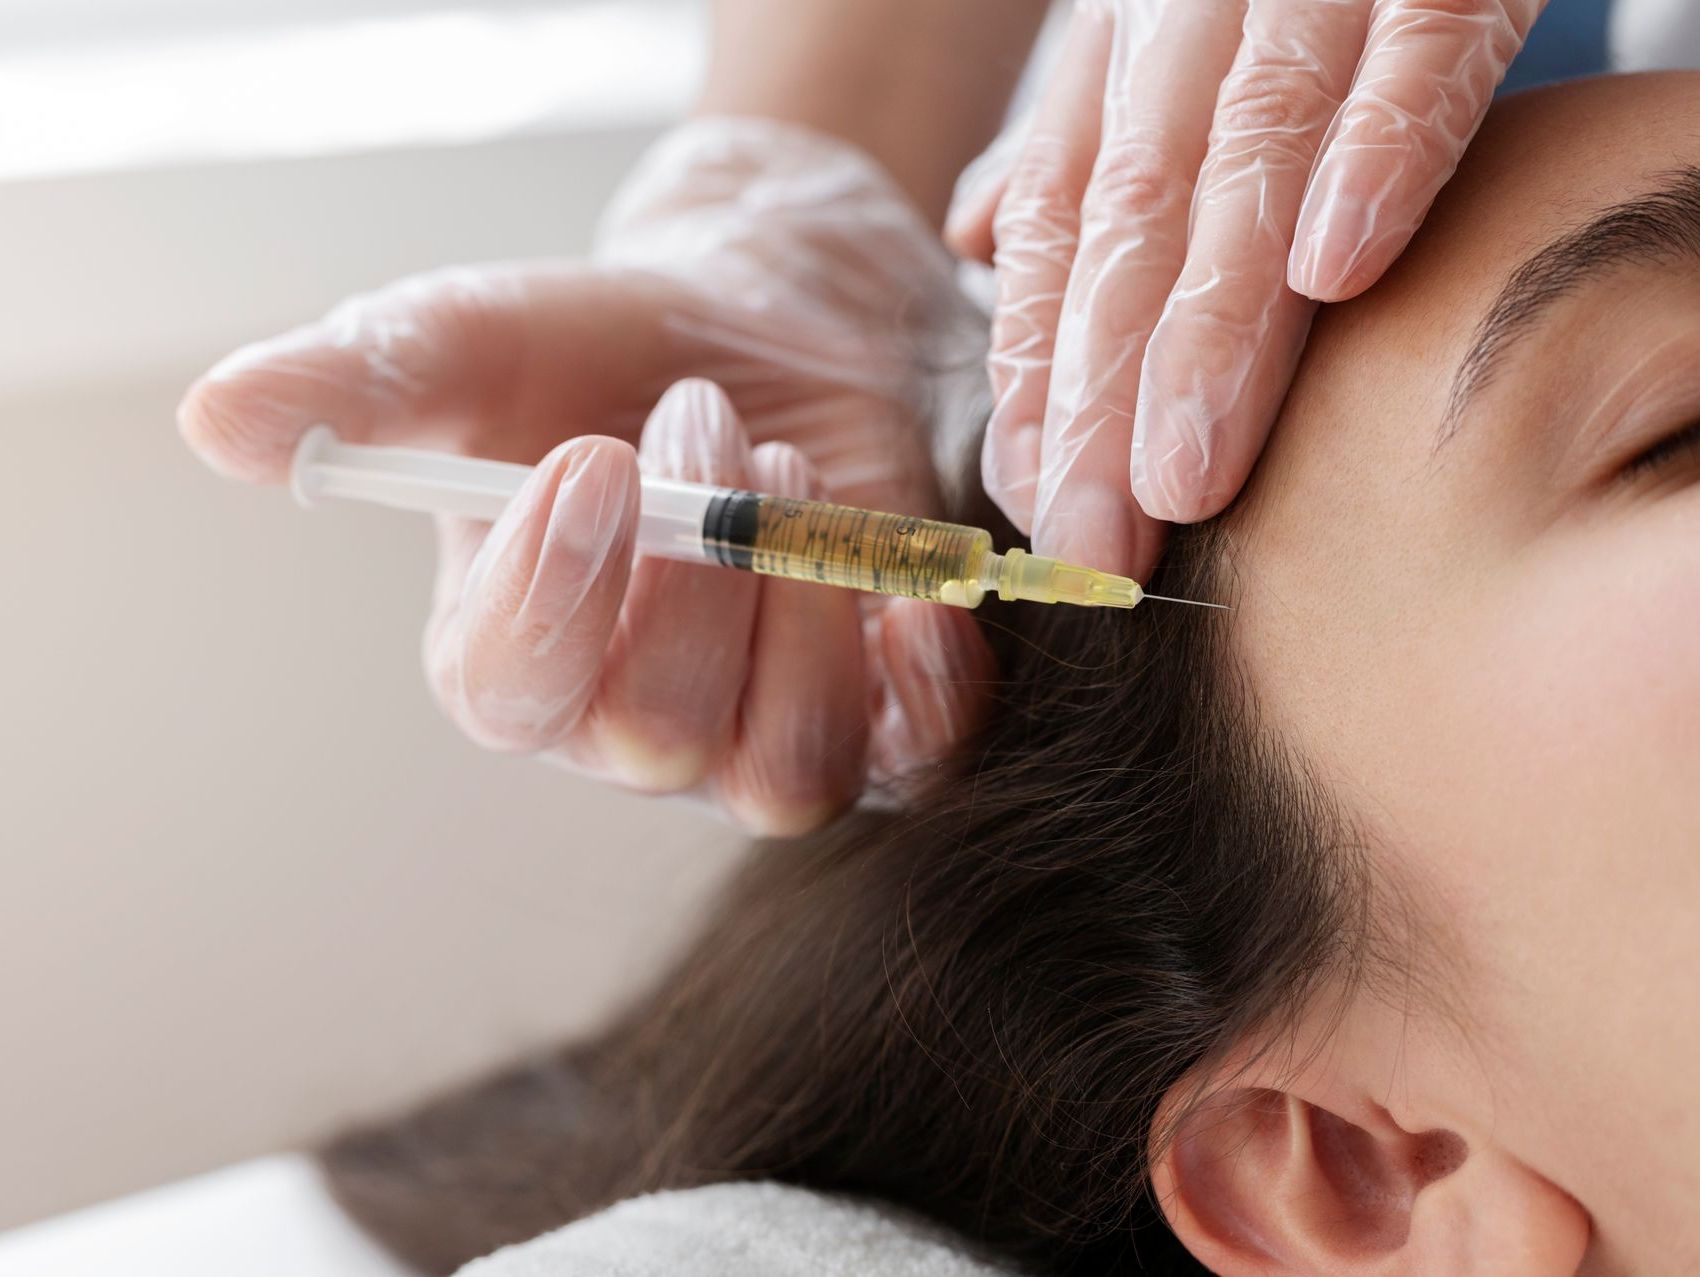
x=1683, y=445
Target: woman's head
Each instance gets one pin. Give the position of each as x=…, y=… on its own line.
x=975, y=1006
x=1469, y=598
x=1355, y=919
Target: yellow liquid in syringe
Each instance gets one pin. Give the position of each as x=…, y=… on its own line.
x=894, y=554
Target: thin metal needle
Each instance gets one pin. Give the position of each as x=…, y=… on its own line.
x=1163, y=598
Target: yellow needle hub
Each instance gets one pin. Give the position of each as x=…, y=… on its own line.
x=1017, y=574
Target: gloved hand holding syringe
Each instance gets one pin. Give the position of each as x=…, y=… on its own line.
x=761, y=312
x=790, y=537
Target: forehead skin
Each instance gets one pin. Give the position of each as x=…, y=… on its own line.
x=1358, y=427
x=1368, y=560
x=1499, y=676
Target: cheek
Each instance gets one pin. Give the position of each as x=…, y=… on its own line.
x=1522, y=743
x=1584, y=680
x=1560, y=822
x=1524, y=732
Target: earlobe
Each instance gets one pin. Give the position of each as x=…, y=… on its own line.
x=1260, y=1181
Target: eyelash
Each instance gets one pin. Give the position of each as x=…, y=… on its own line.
x=1684, y=443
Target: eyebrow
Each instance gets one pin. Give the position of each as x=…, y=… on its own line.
x=1659, y=226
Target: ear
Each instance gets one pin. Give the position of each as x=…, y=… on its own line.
x=1259, y=1181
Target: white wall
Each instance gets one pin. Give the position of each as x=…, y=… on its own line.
x=250, y=883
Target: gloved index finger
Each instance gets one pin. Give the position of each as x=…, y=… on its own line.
x=1133, y=241
x=1037, y=229
x=679, y=657
x=382, y=367
x=1219, y=363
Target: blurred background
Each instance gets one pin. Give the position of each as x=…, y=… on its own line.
x=251, y=885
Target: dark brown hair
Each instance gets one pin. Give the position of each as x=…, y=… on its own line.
x=971, y=1006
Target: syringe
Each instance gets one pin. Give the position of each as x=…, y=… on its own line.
x=776, y=536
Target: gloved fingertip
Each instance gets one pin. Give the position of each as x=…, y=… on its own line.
x=768, y=818
x=781, y=469
x=968, y=228
x=649, y=766
x=695, y=398
x=1165, y=487
x=592, y=519
x=1331, y=245
x=478, y=674
x=512, y=542
x=974, y=203
x=544, y=596
x=693, y=434
x=1168, y=469
x=554, y=566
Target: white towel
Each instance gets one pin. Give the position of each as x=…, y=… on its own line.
x=741, y=1230
x=266, y=1218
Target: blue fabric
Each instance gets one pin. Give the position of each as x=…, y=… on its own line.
x=1569, y=40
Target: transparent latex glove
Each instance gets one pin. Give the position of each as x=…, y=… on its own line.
x=1197, y=174
x=794, y=293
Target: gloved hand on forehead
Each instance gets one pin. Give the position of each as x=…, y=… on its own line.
x=1198, y=174
x=757, y=314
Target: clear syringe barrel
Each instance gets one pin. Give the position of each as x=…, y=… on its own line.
x=848, y=547
x=670, y=517
x=775, y=536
